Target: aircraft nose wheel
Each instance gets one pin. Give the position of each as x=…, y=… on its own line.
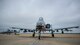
x=39, y=35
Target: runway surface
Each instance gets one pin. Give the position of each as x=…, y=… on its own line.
x=46, y=39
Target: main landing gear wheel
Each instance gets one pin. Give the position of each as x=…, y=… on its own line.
x=33, y=34
x=52, y=34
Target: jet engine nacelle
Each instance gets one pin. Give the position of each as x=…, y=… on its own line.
x=48, y=26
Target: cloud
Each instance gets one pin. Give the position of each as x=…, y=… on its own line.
x=25, y=13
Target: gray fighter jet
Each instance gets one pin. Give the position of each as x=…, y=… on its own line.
x=42, y=27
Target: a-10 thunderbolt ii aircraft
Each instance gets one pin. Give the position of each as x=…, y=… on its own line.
x=42, y=27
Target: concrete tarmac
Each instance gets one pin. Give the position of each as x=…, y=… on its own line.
x=46, y=39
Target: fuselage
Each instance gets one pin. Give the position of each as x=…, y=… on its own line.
x=40, y=24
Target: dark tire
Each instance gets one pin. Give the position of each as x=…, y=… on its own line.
x=33, y=34
x=62, y=32
x=39, y=37
x=52, y=34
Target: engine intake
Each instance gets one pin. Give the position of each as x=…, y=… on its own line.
x=48, y=25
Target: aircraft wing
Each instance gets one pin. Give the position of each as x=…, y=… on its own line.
x=24, y=29
x=65, y=29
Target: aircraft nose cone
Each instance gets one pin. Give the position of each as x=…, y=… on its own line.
x=41, y=18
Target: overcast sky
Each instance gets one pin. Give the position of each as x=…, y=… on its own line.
x=25, y=13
